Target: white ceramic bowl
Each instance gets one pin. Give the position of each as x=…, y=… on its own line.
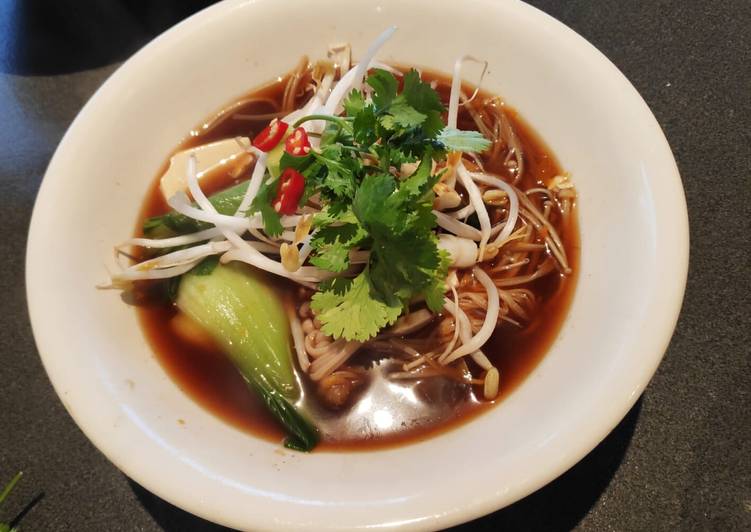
x=634, y=237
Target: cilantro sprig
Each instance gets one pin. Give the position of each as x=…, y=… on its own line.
x=368, y=206
x=457, y=140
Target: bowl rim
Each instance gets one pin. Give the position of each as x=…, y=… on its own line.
x=673, y=291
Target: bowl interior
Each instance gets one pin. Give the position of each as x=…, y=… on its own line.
x=633, y=267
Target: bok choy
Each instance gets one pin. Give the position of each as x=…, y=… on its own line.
x=243, y=315
x=225, y=202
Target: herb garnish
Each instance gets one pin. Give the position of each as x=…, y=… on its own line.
x=367, y=204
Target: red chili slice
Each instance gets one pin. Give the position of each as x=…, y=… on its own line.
x=297, y=144
x=272, y=134
x=291, y=187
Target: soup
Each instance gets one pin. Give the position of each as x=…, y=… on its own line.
x=458, y=267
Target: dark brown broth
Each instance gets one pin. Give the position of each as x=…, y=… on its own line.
x=208, y=377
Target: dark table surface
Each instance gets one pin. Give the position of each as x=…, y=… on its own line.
x=681, y=458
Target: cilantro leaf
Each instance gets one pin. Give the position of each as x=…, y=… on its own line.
x=393, y=156
x=333, y=243
x=457, y=140
x=331, y=133
x=299, y=163
x=420, y=181
x=436, y=290
x=421, y=95
x=384, y=86
x=352, y=309
x=262, y=204
x=387, y=212
x=433, y=124
x=332, y=257
x=405, y=259
x=374, y=205
x=354, y=103
x=333, y=214
x=405, y=266
x=349, y=232
x=403, y=115
x=364, y=127
x=340, y=179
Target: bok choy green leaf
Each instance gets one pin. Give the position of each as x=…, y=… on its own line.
x=173, y=223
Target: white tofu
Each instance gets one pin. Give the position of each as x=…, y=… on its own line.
x=209, y=157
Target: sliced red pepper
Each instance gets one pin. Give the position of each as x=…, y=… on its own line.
x=272, y=134
x=291, y=187
x=297, y=144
